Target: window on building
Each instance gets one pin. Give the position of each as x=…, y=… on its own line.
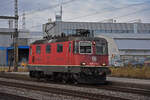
x=114, y=31
x=102, y=31
x=65, y=31
x=73, y=31
x=59, y=47
x=131, y=31
x=48, y=48
x=99, y=31
x=146, y=31
x=108, y=31
x=38, y=49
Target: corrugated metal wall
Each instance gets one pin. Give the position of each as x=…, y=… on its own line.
x=5, y=40
x=3, y=57
x=56, y=28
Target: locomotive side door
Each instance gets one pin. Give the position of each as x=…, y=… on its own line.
x=31, y=55
x=69, y=53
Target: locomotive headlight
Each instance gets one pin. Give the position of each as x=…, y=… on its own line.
x=94, y=43
x=103, y=64
x=83, y=63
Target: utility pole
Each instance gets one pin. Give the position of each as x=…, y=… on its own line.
x=15, y=36
x=24, y=21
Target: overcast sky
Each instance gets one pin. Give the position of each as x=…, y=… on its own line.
x=38, y=11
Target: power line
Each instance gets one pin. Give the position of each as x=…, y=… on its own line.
x=143, y=10
x=98, y=12
x=122, y=15
x=63, y=3
x=51, y=7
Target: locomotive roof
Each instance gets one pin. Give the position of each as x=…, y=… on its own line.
x=63, y=39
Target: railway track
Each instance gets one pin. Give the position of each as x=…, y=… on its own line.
x=118, y=87
x=27, y=78
x=5, y=96
x=122, y=87
x=85, y=95
x=139, y=91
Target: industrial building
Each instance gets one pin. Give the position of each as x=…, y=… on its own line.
x=6, y=45
x=127, y=41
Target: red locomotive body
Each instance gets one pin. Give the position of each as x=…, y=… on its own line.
x=76, y=59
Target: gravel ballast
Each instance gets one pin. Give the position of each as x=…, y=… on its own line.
x=83, y=89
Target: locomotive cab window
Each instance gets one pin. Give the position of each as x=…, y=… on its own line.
x=38, y=49
x=101, y=48
x=85, y=47
x=48, y=48
x=59, y=47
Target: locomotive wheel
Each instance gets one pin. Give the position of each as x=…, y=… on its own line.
x=75, y=82
x=64, y=81
x=64, y=77
x=75, y=79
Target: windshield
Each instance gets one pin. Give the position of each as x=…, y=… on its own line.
x=85, y=47
x=101, y=48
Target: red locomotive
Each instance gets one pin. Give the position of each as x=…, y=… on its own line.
x=76, y=59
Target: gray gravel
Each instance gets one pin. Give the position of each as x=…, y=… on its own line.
x=129, y=80
x=89, y=90
x=35, y=94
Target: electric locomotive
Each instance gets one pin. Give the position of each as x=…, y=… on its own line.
x=70, y=59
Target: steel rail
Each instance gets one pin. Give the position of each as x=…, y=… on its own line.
x=6, y=96
x=113, y=86
x=67, y=92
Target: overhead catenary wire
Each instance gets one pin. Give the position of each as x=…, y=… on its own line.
x=99, y=12
x=142, y=10
x=51, y=7
x=54, y=6
x=132, y=13
x=92, y=13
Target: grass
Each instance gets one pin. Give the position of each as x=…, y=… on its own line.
x=20, y=69
x=131, y=72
